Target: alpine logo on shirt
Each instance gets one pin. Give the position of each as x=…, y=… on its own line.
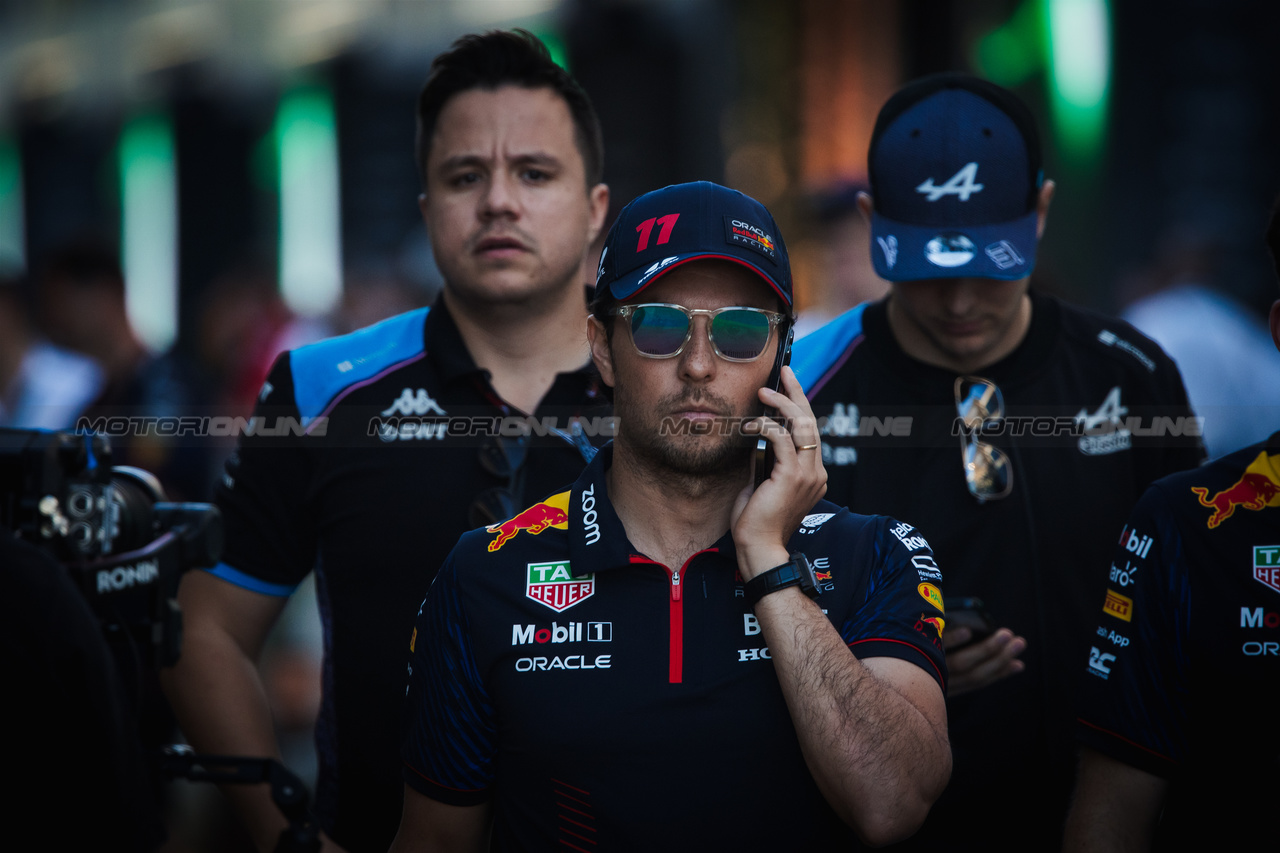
x=1104, y=426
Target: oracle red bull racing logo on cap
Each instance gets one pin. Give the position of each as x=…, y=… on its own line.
x=553, y=512
x=554, y=585
x=1256, y=490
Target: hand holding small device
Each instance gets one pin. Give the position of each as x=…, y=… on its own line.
x=764, y=450
x=978, y=652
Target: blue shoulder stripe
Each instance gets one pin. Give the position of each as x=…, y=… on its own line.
x=813, y=356
x=249, y=582
x=323, y=370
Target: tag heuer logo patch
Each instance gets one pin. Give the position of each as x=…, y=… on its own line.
x=1266, y=565
x=554, y=585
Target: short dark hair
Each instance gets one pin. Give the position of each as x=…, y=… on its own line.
x=506, y=58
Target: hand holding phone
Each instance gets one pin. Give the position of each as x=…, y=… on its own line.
x=764, y=448
x=990, y=653
x=968, y=612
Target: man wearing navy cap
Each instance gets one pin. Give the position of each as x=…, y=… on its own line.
x=1016, y=429
x=665, y=656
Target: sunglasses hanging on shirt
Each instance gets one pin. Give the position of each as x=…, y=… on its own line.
x=987, y=470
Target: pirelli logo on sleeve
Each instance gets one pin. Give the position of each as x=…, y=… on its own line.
x=1119, y=606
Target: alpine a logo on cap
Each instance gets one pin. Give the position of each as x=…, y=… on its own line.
x=740, y=232
x=554, y=585
x=949, y=250
x=961, y=184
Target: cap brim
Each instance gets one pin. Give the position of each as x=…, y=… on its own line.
x=1005, y=251
x=627, y=286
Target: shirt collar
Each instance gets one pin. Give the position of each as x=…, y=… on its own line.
x=597, y=539
x=448, y=354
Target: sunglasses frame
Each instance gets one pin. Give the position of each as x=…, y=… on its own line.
x=775, y=319
x=970, y=442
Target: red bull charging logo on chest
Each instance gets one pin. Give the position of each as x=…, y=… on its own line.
x=553, y=512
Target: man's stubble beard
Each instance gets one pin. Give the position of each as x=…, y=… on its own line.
x=723, y=455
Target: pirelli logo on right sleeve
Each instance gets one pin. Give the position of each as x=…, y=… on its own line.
x=1119, y=606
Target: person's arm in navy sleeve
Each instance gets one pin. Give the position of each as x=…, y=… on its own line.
x=449, y=734
x=873, y=732
x=215, y=688
x=1132, y=721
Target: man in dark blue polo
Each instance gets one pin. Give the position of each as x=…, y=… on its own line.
x=663, y=655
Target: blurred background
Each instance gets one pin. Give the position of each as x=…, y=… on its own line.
x=189, y=186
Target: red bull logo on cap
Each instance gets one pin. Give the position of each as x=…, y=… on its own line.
x=553, y=512
x=1256, y=490
x=554, y=585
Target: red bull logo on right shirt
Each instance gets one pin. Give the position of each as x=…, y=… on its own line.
x=1258, y=489
x=553, y=512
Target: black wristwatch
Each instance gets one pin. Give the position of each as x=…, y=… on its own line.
x=797, y=571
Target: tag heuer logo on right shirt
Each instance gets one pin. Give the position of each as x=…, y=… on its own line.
x=554, y=585
x=1266, y=565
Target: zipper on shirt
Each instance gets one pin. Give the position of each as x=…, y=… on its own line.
x=675, y=610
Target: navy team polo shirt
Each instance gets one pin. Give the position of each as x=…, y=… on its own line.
x=604, y=701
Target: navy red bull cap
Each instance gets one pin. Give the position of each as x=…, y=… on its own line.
x=955, y=169
x=663, y=229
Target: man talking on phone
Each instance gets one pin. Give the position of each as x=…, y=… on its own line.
x=1017, y=429
x=664, y=656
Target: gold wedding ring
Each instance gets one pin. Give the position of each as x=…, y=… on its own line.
x=807, y=447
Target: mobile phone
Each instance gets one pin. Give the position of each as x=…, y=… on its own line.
x=969, y=612
x=764, y=449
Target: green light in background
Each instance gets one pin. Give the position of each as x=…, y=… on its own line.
x=310, y=227
x=13, y=256
x=1080, y=73
x=1011, y=53
x=555, y=46
x=149, y=229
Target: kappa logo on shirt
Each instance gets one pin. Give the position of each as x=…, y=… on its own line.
x=409, y=403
